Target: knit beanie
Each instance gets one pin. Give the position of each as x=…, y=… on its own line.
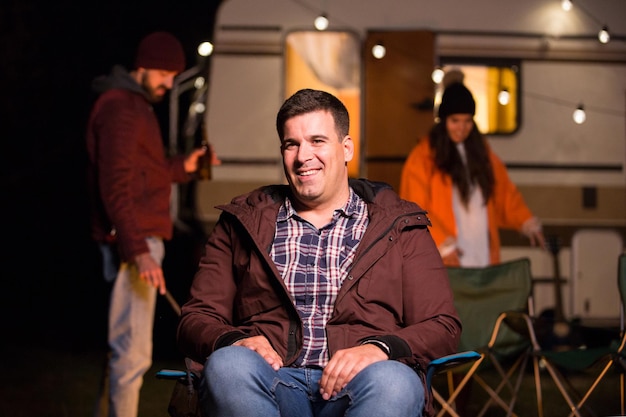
x=160, y=50
x=456, y=99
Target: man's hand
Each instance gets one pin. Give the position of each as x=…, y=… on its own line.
x=262, y=346
x=192, y=163
x=150, y=272
x=345, y=364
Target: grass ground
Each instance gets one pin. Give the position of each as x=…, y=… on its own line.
x=45, y=382
x=604, y=401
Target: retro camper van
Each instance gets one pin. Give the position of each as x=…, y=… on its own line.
x=557, y=67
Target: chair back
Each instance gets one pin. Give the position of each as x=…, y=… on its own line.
x=481, y=294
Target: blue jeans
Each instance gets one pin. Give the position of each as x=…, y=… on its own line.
x=237, y=382
x=131, y=321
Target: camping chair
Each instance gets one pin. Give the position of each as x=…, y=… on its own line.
x=184, y=399
x=481, y=295
x=613, y=354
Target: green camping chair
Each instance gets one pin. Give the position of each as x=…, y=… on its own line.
x=481, y=295
x=590, y=360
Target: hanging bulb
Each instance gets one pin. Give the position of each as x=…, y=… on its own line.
x=199, y=108
x=379, y=50
x=321, y=22
x=199, y=82
x=205, y=49
x=579, y=115
x=603, y=35
x=437, y=75
x=504, y=96
x=566, y=5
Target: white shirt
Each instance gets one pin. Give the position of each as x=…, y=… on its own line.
x=471, y=224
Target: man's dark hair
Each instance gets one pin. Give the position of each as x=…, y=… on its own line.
x=307, y=101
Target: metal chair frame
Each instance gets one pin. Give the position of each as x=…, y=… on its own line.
x=604, y=357
x=517, y=276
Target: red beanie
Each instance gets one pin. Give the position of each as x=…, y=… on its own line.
x=160, y=50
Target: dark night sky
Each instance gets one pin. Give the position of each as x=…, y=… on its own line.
x=50, y=52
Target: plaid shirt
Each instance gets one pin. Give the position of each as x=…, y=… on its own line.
x=313, y=263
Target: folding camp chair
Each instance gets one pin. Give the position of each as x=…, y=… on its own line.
x=481, y=295
x=583, y=359
x=184, y=400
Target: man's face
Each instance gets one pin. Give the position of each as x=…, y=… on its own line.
x=315, y=159
x=157, y=82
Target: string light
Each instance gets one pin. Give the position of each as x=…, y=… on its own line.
x=603, y=35
x=504, y=97
x=321, y=22
x=566, y=5
x=205, y=49
x=579, y=115
x=199, y=82
x=379, y=51
x=199, y=108
x=437, y=75
x=580, y=109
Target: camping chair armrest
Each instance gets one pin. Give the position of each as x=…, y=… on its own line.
x=445, y=363
x=170, y=374
x=192, y=374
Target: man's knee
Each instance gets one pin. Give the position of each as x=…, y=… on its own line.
x=234, y=361
x=395, y=379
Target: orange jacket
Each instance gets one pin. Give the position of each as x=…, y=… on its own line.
x=424, y=184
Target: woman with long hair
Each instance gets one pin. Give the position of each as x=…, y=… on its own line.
x=465, y=187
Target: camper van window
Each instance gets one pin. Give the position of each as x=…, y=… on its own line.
x=495, y=86
x=330, y=61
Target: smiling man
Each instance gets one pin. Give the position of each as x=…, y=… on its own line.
x=324, y=297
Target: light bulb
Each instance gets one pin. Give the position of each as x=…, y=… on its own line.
x=321, y=22
x=199, y=108
x=504, y=97
x=199, y=82
x=378, y=51
x=603, y=35
x=566, y=5
x=579, y=115
x=205, y=49
x=437, y=75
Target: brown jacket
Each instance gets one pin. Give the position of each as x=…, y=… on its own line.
x=397, y=288
x=129, y=175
